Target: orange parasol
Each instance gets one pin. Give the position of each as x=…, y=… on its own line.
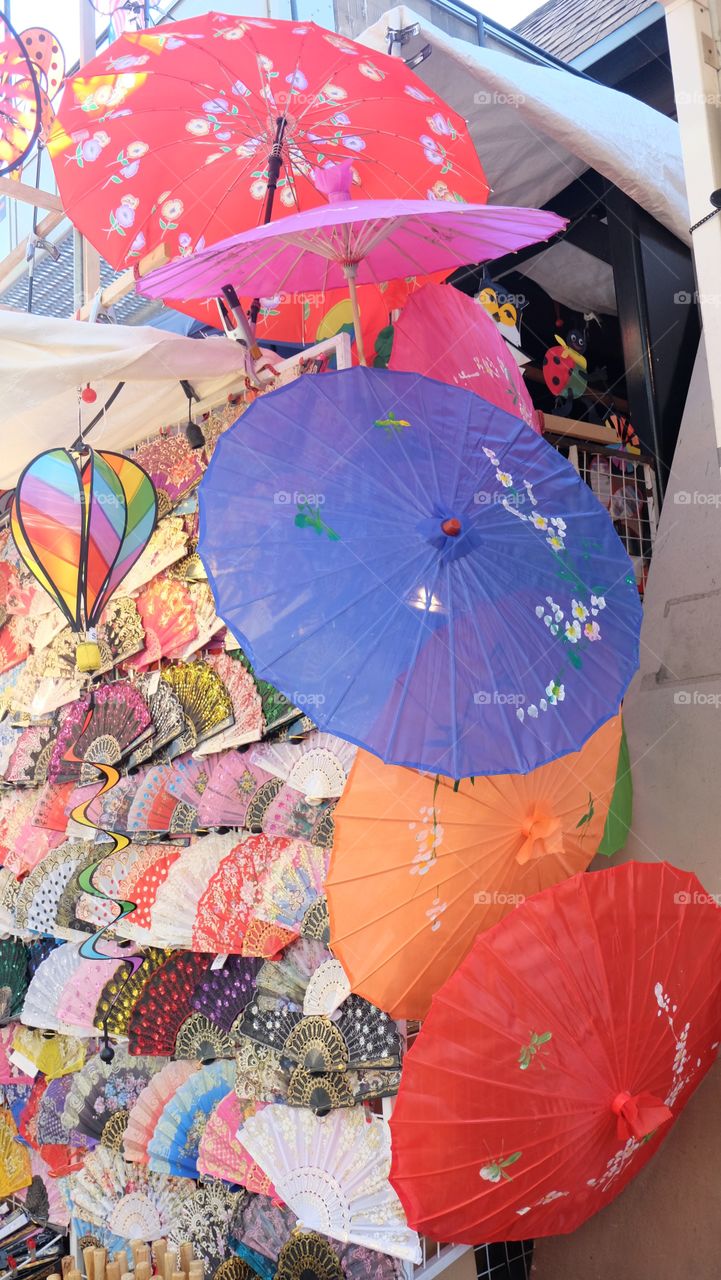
x=421, y=864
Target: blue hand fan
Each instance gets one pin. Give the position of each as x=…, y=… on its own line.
x=173, y=1148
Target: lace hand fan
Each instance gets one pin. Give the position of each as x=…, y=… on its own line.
x=79, y=1000
x=48, y=893
x=225, y=905
x=332, y=1172
x=147, y=1108
x=207, y=620
x=286, y=812
x=166, y=798
x=132, y=1204
x=204, y=1222
x=122, y=992
x=168, y=543
x=222, y=994
x=28, y=765
x=263, y=1225
x=173, y=1148
x=174, y=468
x=173, y=915
x=328, y=986
x=102, y=1089
x=15, y=1169
x=14, y=978
x=293, y=882
x=52, y=807
x=60, y=970
x=233, y=784
x=287, y=977
x=220, y=1155
x=29, y=843
x=277, y=709
x=100, y=728
x=248, y=722
x=318, y=766
x=164, y=1003
x=167, y=716
x=50, y=678
x=9, y=891
x=55, y=1055
x=107, y=878
x=120, y=633
x=199, y=1039
x=361, y=1036
x=141, y=885
x=166, y=610
x=206, y=703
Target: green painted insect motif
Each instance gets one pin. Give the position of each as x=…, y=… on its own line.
x=529, y=1051
x=496, y=1170
x=391, y=425
x=308, y=517
x=586, y=817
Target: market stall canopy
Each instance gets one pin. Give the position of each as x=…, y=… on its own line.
x=43, y=362
x=537, y=129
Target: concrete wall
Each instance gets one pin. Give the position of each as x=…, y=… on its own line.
x=667, y=1224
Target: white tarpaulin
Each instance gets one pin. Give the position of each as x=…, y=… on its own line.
x=538, y=128
x=44, y=361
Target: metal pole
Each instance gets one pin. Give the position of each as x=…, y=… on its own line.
x=275, y=160
x=86, y=260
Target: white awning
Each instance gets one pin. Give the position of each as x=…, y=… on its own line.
x=537, y=128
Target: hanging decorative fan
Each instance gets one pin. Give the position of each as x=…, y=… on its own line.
x=173, y=1148
x=122, y=992
x=360, y=1035
x=333, y=1174
x=307, y=1253
x=204, y=1222
x=148, y=1107
x=100, y=728
x=102, y=1089
x=206, y=703
x=37, y=951
x=42, y=1199
x=165, y=798
x=143, y=1206
x=234, y=1269
x=23, y=844
x=259, y=1073
x=316, y=921
x=201, y=1040
x=328, y=987
x=167, y=716
x=48, y=62
x=164, y=1003
x=28, y=764
x=78, y=1001
x=20, y=104
x=40, y=1126
x=280, y=810
x=271, y=1231
x=14, y=978
x=120, y=633
x=318, y=766
x=80, y=521
x=277, y=709
x=142, y=883
x=10, y=1072
x=321, y=1092
x=15, y=641
x=248, y=723
x=233, y=783
x=52, y=807
x=45, y=903
x=166, y=609
x=222, y=993
x=292, y=884
x=55, y=1055
x=15, y=1170
x=287, y=977
x=220, y=1155
x=108, y=876
x=174, y=468
x=206, y=618
x=168, y=543
x=58, y=972
x=173, y=915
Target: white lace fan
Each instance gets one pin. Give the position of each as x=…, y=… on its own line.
x=173, y=913
x=131, y=1202
x=332, y=1171
x=318, y=766
x=327, y=988
x=47, y=986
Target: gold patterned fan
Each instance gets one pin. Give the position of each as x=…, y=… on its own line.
x=308, y=1256
x=206, y=703
x=234, y=1269
x=120, y=994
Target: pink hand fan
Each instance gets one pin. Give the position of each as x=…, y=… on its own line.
x=221, y=1155
x=233, y=785
x=102, y=727
x=147, y=1109
x=166, y=611
x=174, y=468
x=247, y=706
x=166, y=798
x=78, y=1001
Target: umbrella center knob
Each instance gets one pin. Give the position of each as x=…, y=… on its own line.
x=451, y=527
x=542, y=834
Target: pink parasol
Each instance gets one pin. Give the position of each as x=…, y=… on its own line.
x=474, y=354
x=357, y=241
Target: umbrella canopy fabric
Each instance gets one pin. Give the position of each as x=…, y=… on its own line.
x=555, y=1059
x=378, y=240
x=419, y=867
x=166, y=137
x=419, y=570
x=471, y=354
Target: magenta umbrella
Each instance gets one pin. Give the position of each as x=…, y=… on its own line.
x=356, y=241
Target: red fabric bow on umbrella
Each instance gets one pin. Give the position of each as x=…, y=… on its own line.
x=554, y=1060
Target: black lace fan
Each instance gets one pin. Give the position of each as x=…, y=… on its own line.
x=359, y=1036
x=308, y=1256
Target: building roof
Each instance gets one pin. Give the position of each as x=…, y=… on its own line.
x=566, y=28
x=54, y=286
